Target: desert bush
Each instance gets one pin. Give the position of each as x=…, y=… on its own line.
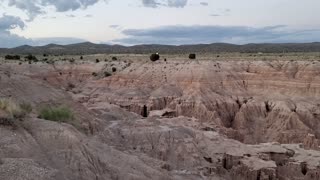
x=81, y=57
x=192, y=56
x=114, y=58
x=31, y=57
x=51, y=61
x=58, y=114
x=107, y=74
x=71, y=60
x=154, y=57
x=13, y=109
x=97, y=60
x=12, y=57
x=94, y=74
x=114, y=69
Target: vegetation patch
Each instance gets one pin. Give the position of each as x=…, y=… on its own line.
x=10, y=111
x=192, y=56
x=107, y=74
x=31, y=57
x=12, y=57
x=154, y=57
x=14, y=110
x=57, y=114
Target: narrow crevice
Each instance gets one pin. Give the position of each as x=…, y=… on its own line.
x=304, y=168
x=208, y=159
x=239, y=103
x=268, y=106
x=145, y=111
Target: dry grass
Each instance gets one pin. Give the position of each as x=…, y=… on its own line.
x=12, y=111
x=11, y=108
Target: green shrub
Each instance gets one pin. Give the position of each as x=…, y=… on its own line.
x=58, y=114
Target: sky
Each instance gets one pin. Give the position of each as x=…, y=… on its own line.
x=175, y=22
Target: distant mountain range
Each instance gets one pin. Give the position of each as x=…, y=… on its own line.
x=91, y=48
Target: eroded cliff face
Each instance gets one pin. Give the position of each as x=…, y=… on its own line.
x=205, y=120
x=252, y=101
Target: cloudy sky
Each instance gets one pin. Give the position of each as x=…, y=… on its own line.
x=130, y=22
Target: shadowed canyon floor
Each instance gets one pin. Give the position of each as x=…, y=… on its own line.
x=174, y=119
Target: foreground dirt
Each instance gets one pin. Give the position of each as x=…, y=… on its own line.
x=206, y=120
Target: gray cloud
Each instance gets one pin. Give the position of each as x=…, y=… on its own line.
x=49, y=17
x=66, y=5
x=221, y=12
x=71, y=15
x=177, y=3
x=150, y=3
x=167, y=3
x=88, y=16
x=35, y=7
x=114, y=26
x=10, y=22
x=7, y=39
x=56, y=40
x=204, y=3
x=209, y=34
x=31, y=7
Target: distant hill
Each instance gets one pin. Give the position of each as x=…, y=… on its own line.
x=91, y=48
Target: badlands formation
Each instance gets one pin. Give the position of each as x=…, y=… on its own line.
x=232, y=119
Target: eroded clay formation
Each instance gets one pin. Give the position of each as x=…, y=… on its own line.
x=174, y=119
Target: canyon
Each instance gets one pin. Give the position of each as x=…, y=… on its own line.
x=210, y=118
